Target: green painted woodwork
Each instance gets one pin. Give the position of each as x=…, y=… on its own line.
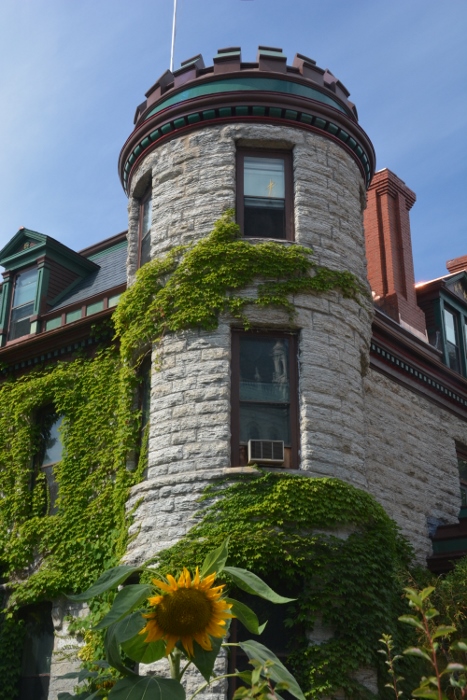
x=247, y=85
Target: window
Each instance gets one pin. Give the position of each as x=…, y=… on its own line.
x=277, y=636
x=145, y=221
x=264, y=398
x=22, y=307
x=265, y=194
x=51, y=453
x=37, y=653
x=452, y=340
x=462, y=463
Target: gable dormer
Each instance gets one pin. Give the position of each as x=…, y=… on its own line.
x=38, y=269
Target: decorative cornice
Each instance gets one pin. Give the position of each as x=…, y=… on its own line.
x=302, y=95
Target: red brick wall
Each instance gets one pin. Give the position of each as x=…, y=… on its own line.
x=389, y=248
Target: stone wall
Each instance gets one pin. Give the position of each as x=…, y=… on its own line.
x=411, y=458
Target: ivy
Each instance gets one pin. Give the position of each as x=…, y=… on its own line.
x=191, y=287
x=286, y=529
x=43, y=555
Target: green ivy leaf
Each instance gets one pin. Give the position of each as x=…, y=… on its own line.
x=215, y=560
x=143, y=688
x=125, y=601
x=251, y=583
x=109, y=579
x=277, y=670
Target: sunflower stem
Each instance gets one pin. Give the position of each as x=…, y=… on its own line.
x=174, y=663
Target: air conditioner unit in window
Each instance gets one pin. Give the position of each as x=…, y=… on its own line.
x=265, y=452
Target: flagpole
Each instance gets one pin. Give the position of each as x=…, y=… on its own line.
x=173, y=36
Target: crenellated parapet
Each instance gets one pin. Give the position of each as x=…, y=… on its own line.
x=267, y=91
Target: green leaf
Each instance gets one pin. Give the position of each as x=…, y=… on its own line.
x=251, y=583
x=411, y=620
x=130, y=626
x=443, y=631
x=455, y=668
x=109, y=579
x=277, y=671
x=246, y=616
x=147, y=687
x=205, y=660
x=461, y=645
x=143, y=652
x=215, y=560
x=125, y=601
x=426, y=693
x=112, y=649
x=415, y=651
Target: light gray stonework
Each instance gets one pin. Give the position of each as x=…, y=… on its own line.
x=411, y=458
x=66, y=646
x=193, y=182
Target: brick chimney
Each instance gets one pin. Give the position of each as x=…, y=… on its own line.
x=389, y=250
x=457, y=264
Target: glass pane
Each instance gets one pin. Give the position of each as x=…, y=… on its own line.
x=264, y=177
x=264, y=369
x=94, y=308
x=52, y=442
x=73, y=315
x=52, y=488
x=462, y=462
x=453, y=357
x=264, y=422
x=450, y=324
x=146, y=248
x=25, y=287
x=146, y=216
x=264, y=218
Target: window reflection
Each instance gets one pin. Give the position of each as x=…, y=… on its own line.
x=22, y=307
x=264, y=389
x=145, y=228
x=52, y=453
x=264, y=197
x=452, y=343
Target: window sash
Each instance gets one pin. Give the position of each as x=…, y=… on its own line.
x=274, y=409
x=145, y=227
x=265, y=193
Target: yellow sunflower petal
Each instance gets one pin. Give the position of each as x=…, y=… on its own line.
x=163, y=585
x=188, y=645
x=204, y=641
x=172, y=639
x=155, y=600
x=196, y=579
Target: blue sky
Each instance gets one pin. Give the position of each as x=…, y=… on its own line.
x=73, y=71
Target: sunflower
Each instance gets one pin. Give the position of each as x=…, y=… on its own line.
x=189, y=609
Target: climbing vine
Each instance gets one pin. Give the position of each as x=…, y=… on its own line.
x=329, y=544
x=42, y=554
x=191, y=287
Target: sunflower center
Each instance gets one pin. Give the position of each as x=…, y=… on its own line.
x=184, y=612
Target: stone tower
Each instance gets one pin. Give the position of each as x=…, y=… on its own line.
x=281, y=144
